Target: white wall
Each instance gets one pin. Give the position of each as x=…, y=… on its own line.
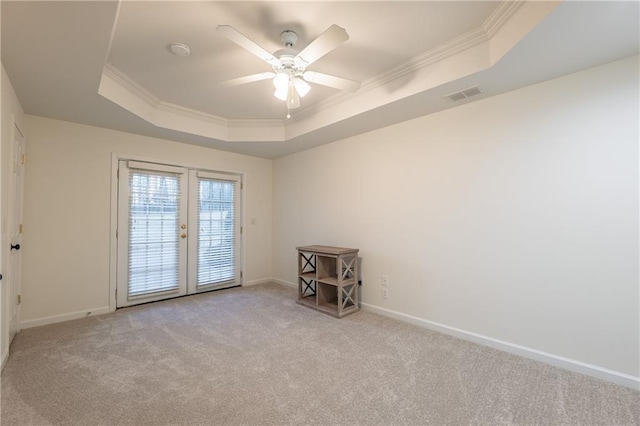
x=10, y=107
x=67, y=212
x=514, y=217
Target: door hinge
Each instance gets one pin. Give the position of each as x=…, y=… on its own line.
x=241, y=185
x=23, y=159
x=240, y=274
x=118, y=174
x=116, y=234
x=241, y=229
x=21, y=227
x=19, y=299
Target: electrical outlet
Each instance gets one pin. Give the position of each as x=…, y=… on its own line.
x=385, y=280
x=385, y=293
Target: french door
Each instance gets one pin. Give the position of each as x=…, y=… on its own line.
x=178, y=232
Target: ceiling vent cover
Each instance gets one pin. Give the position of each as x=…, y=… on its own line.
x=464, y=94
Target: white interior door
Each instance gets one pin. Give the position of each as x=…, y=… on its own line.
x=178, y=232
x=15, y=226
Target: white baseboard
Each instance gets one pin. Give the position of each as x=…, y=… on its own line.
x=270, y=280
x=284, y=283
x=5, y=357
x=64, y=317
x=548, y=358
x=257, y=282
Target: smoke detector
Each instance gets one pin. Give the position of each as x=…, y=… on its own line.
x=180, y=49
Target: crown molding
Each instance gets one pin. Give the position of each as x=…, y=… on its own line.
x=500, y=16
x=274, y=129
x=124, y=91
x=130, y=85
x=430, y=57
x=256, y=123
x=191, y=113
x=437, y=54
x=153, y=101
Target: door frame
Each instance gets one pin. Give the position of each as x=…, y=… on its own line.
x=192, y=285
x=113, y=226
x=13, y=277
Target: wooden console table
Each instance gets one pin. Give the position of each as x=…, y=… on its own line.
x=328, y=279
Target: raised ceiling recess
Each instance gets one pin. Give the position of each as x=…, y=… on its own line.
x=401, y=49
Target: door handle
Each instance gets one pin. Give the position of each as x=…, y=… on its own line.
x=15, y=247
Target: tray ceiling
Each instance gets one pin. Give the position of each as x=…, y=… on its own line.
x=108, y=63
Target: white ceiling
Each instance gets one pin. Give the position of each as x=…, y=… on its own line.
x=107, y=63
x=382, y=36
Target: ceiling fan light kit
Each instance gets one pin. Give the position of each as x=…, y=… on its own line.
x=289, y=66
x=302, y=87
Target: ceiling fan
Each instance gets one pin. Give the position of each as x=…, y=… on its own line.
x=289, y=66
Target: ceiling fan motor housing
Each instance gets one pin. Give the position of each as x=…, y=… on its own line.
x=289, y=62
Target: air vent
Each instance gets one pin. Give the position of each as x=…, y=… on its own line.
x=464, y=94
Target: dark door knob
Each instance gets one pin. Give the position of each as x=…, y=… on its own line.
x=16, y=247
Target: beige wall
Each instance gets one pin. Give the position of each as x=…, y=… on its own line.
x=513, y=217
x=10, y=108
x=68, y=205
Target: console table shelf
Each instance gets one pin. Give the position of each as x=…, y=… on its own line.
x=328, y=279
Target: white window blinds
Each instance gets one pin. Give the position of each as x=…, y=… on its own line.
x=154, y=202
x=216, y=231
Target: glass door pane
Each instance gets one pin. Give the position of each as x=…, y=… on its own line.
x=215, y=198
x=152, y=240
x=164, y=252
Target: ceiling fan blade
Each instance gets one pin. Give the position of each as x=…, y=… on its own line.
x=248, y=79
x=333, y=37
x=240, y=39
x=331, y=81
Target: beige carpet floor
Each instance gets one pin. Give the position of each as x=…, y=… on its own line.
x=253, y=356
